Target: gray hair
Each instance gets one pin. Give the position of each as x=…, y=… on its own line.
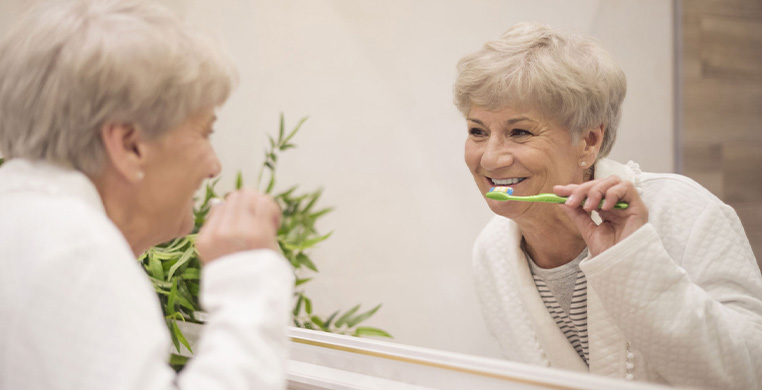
x=568, y=78
x=69, y=67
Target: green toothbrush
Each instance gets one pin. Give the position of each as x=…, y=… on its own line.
x=504, y=193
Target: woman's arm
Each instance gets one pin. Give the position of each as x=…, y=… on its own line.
x=243, y=346
x=246, y=289
x=92, y=321
x=85, y=316
x=697, y=320
x=704, y=335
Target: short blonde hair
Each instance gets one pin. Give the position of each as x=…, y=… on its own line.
x=568, y=78
x=69, y=67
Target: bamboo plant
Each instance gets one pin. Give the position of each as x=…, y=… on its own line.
x=174, y=267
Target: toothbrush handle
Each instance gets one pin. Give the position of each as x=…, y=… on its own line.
x=621, y=205
x=547, y=198
x=553, y=198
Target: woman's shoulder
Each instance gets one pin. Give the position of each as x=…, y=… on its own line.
x=72, y=216
x=670, y=191
x=677, y=204
x=46, y=238
x=45, y=226
x=679, y=208
x=51, y=204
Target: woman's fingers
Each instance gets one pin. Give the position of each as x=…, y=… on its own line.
x=213, y=217
x=262, y=221
x=269, y=212
x=602, y=195
x=228, y=211
x=590, y=194
x=616, y=193
x=598, y=191
x=247, y=220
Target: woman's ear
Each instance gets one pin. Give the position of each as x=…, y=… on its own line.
x=123, y=143
x=592, y=140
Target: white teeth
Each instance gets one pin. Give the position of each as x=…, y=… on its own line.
x=506, y=182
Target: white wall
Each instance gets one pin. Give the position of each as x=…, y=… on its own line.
x=385, y=140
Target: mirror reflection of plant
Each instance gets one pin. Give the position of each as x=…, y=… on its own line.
x=174, y=267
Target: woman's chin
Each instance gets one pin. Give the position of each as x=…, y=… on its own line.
x=501, y=208
x=512, y=210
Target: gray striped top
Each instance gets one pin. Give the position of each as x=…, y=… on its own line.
x=564, y=291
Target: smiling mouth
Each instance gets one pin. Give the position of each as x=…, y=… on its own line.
x=506, y=182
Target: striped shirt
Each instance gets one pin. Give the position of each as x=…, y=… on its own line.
x=564, y=291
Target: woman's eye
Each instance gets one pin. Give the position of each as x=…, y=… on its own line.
x=476, y=132
x=520, y=133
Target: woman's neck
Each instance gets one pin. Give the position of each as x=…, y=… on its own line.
x=552, y=241
x=550, y=238
x=118, y=200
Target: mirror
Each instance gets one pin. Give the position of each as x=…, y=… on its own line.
x=385, y=141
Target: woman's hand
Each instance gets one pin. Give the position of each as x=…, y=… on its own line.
x=617, y=224
x=246, y=220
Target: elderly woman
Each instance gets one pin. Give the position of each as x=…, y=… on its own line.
x=666, y=290
x=106, y=109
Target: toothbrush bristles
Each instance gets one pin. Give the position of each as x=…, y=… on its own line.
x=507, y=190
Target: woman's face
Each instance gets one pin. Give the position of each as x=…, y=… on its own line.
x=522, y=150
x=177, y=164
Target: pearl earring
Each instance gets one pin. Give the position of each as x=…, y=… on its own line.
x=583, y=164
x=140, y=175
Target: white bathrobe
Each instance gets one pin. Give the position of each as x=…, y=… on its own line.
x=678, y=302
x=78, y=312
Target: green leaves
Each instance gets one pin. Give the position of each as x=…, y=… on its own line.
x=362, y=317
x=298, y=306
x=303, y=260
x=350, y=319
x=345, y=324
x=202, y=210
x=297, y=231
x=175, y=271
x=305, y=244
x=346, y=316
x=177, y=362
x=178, y=335
x=368, y=331
x=239, y=181
x=184, y=259
x=271, y=154
x=155, y=268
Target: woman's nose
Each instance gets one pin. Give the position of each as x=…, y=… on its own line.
x=497, y=155
x=215, y=166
